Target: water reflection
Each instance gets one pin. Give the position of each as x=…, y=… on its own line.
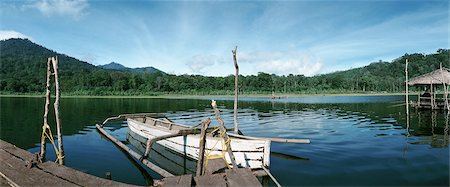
x=353, y=143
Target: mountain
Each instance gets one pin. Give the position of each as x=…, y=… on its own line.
x=120, y=67
x=113, y=65
x=23, y=70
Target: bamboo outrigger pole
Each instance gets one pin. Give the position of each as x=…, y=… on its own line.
x=236, y=91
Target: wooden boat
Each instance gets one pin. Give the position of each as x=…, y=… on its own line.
x=249, y=152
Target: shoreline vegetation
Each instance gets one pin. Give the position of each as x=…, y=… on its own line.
x=196, y=96
x=23, y=72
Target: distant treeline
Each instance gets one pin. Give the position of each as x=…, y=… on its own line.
x=23, y=68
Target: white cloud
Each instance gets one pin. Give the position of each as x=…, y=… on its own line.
x=74, y=8
x=199, y=62
x=282, y=63
x=7, y=34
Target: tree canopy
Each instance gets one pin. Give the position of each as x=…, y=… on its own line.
x=23, y=68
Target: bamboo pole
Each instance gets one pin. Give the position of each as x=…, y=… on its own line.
x=406, y=89
x=56, y=106
x=146, y=162
x=223, y=130
x=46, y=106
x=236, y=91
x=279, y=140
x=201, y=149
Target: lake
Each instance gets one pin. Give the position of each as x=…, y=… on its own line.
x=355, y=140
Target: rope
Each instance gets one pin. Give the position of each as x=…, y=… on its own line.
x=225, y=145
x=49, y=135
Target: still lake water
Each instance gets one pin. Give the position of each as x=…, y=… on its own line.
x=355, y=140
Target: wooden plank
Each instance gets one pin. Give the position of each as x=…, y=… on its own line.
x=241, y=177
x=15, y=170
x=77, y=177
x=178, y=181
x=215, y=165
x=216, y=180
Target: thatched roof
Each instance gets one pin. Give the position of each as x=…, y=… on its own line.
x=436, y=77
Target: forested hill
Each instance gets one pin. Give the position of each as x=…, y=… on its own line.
x=23, y=70
x=117, y=66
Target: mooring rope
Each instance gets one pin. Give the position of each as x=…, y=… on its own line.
x=49, y=135
x=225, y=145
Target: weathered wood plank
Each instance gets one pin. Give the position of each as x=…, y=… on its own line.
x=216, y=180
x=215, y=165
x=241, y=177
x=77, y=177
x=178, y=181
x=13, y=168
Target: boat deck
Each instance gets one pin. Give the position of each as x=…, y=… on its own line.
x=15, y=171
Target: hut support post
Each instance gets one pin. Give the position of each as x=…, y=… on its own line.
x=56, y=106
x=432, y=96
x=406, y=88
x=236, y=91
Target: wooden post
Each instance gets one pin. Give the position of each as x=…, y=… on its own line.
x=236, y=91
x=432, y=96
x=201, y=152
x=46, y=106
x=223, y=130
x=406, y=88
x=56, y=106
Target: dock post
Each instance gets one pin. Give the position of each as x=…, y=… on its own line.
x=46, y=106
x=236, y=91
x=56, y=106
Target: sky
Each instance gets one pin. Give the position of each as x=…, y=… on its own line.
x=197, y=37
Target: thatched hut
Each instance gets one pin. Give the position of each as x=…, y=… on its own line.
x=432, y=81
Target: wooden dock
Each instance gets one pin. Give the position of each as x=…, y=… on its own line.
x=18, y=168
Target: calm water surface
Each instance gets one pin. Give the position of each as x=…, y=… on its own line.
x=355, y=140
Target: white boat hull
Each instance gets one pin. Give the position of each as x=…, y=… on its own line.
x=252, y=154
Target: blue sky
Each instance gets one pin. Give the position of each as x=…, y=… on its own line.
x=196, y=37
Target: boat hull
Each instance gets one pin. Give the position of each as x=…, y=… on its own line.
x=253, y=154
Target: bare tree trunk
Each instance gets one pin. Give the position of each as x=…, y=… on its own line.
x=47, y=103
x=56, y=106
x=236, y=91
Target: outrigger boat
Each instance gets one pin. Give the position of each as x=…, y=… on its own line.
x=249, y=152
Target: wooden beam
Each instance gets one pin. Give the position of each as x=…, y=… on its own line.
x=146, y=162
x=201, y=152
